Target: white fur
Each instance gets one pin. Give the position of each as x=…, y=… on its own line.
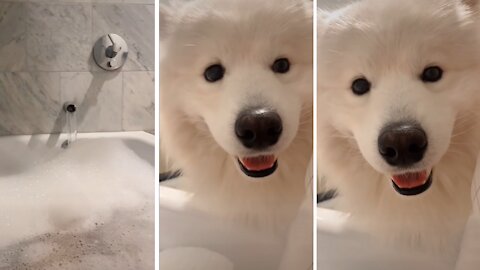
x=197, y=117
x=391, y=42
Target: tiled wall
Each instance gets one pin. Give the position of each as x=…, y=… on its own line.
x=45, y=61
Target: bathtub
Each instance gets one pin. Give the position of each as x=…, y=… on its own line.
x=342, y=247
x=182, y=225
x=89, y=206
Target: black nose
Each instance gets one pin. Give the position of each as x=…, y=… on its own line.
x=402, y=144
x=258, y=128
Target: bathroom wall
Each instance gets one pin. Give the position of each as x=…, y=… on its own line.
x=333, y=4
x=45, y=61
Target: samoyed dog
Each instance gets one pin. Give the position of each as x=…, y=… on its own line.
x=399, y=87
x=236, y=103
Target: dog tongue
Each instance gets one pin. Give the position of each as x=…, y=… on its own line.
x=410, y=180
x=259, y=163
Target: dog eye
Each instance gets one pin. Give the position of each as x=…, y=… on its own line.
x=431, y=74
x=281, y=65
x=360, y=86
x=214, y=73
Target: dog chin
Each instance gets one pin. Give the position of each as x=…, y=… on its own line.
x=258, y=167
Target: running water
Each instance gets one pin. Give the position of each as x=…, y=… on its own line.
x=70, y=110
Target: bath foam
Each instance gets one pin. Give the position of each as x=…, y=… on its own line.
x=83, y=186
x=124, y=243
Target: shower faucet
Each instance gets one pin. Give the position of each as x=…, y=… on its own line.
x=113, y=49
x=110, y=52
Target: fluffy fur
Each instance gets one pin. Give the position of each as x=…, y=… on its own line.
x=390, y=42
x=197, y=117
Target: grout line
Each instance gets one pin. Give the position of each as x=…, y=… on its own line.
x=27, y=34
x=92, y=64
x=122, y=106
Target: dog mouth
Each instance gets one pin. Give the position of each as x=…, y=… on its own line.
x=412, y=183
x=258, y=166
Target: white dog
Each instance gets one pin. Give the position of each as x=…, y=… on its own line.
x=236, y=103
x=399, y=83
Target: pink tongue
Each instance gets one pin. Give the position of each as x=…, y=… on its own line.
x=259, y=163
x=410, y=180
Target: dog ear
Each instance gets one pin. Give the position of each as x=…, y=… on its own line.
x=309, y=7
x=322, y=16
x=166, y=20
x=472, y=4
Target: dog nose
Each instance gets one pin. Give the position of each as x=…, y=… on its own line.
x=402, y=144
x=258, y=128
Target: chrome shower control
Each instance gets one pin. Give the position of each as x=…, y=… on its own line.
x=110, y=52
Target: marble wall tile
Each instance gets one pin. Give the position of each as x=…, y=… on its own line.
x=139, y=1
x=13, y=56
x=29, y=102
x=98, y=96
x=138, y=100
x=52, y=1
x=136, y=24
x=58, y=37
x=45, y=60
x=84, y=1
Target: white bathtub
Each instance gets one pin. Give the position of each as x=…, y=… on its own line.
x=90, y=206
x=340, y=247
x=182, y=225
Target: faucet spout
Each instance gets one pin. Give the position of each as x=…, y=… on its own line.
x=70, y=109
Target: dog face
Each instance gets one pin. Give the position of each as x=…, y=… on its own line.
x=242, y=74
x=396, y=77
